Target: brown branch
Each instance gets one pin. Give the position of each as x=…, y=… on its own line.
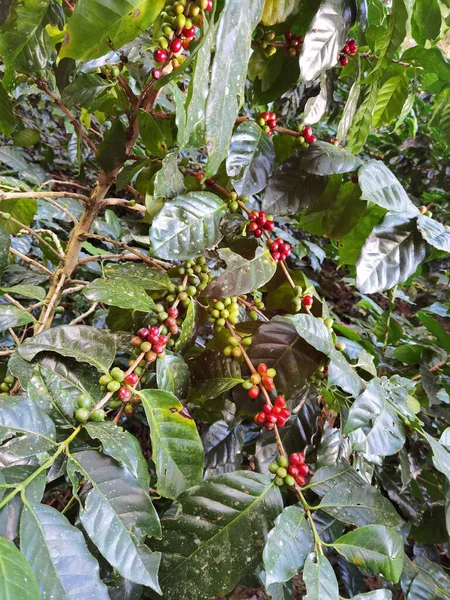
x=52, y=304
x=42, y=85
x=69, y=7
x=129, y=92
x=125, y=203
x=34, y=233
x=32, y=262
x=16, y=303
x=147, y=259
x=100, y=257
x=43, y=195
x=85, y=314
x=432, y=369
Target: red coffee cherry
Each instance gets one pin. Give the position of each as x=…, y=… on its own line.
x=160, y=55
x=124, y=394
x=131, y=379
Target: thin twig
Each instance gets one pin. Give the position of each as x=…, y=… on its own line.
x=101, y=257
x=14, y=336
x=33, y=233
x=43, y=195
x=13, y=301
x=84, y=315
x=32, y=262
x=125, y=203
x=62, y=182
x=144, y=258
x=52, y=302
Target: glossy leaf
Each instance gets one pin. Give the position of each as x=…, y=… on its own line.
x=425, y=20
x=311, y=330
x=169, y=181
x=223, y=448
x=390, y=255
x=141, y=275
x=316, y=107
x=393, y=35
x=177, y=448
x=58, y=555
x=359, y=504
x=222, y=520
x=119, y=292
x=322, y=158
x=12, y=316
x=379, y=185
x=382, y=432
x=125, y=512
x=279, y=346
x=374, y=547
x=359, y=129
x=18, y=580
x=434, y=233
x=186, y=226
x=391, y=98
x=112, y=149
x=18, y=414
x=376, y=595
x=85, y=344
x=85, y=88
x=349, y=110
x=172, y=375
x=277, y=11
x=327, y=477
x=233, y=46
x=342, y=374
x=121, y=445
x=151, y=134
x=213, y=375
x=241, y=275
x=319, y=578
x=35, y=292
x=325, y=38
x=187, y=327
x=288, y=545
x=89, y=36
x=251, y=159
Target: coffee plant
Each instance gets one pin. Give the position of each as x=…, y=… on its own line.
x=224, y=311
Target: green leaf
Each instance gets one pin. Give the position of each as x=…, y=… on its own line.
x=241, y=275
x=5, y=243
x=7, y=118
x=288, y=545
x=187, y=328
x=319, y=578
x=425, y=20
x=147, y=277
x=172, y=375
x=344, y=213
x=391, y=98
x=277, y=11
x=390, y=255
x=317, y=106
x=343, y=375
x=22, y=209
x=325, y=39
x=186, y=226
x=311, y=330
x=226, y=92
x=222, y=520
x=18, y=580
x=376, y=595
x=214, y=374
x=374, y=547
x=112, y=149
x=94, y=28
x=58, y=555
x=350, y=245
x=55, y=385
x=12, y=316
x=85, y=88
x=393, y=36
x=290, y=190
x=441, y=114
x=84, y=343
x=379, y=185
x=434, y=233
x=176, y=445
x=436, y=68
x=194, y=135
x=327, y=477
x=169, y=181
x=123, y=447
x=251, y=159
x=436, y=329
x=179, y=99
x=322, y=158
x=382, y=432
x=151, y=134
x=223, y=448
x=349, y=111
x=119, y=292
x=20, y=415
x=117, y=515
x=358, y=503
x=278, y=345
x=28, y=291
x=360, y=123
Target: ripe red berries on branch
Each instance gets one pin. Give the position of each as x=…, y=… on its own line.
x=349, y=49
x=160, y=55
x=297, y=467
x=279, y=250
x=295, y=43
x=259, y=221
x=268, y=121
x=273, y=415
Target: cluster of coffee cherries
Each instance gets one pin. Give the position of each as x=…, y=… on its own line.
x=273, y=414
x=233, y=348
x=110, y=71
x=222, y=310
x=349, y=49
x=268, y=121
x=279, y=250
x=290, y=471
x=307, y=134
x=294, y=42
x=7, y=384
x=150, y=341
x=180, y=19
x=83, y=413
x=263, y=376
x=198, y=275
x=268, y=37
x=301, y=299
x=259, y=221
